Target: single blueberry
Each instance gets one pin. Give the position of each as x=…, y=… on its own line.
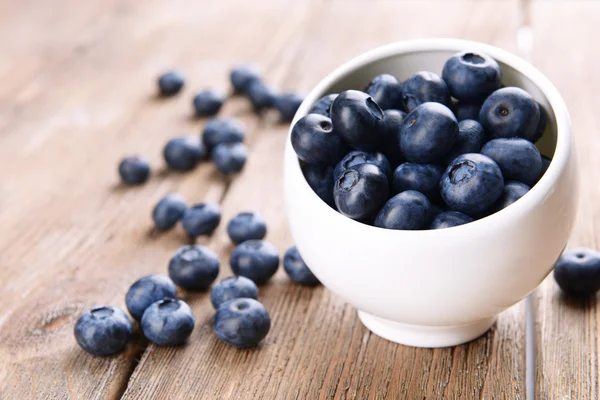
x=148, y=290
x=296, y=268
x=134, y=170
x=424, y=178
x=168, y=211
x=428, y=133
x=470, y=139
x=245, y=226
x=471, y=184
x=517, y=158
x=464, y=110
x=386, y=90
x=390, y=142
x=260, y=95
x=471, y=76
x=168, y=322
x=323, y=105
x=103, y=331
x=184, y=153
x=358, y=120
x=223, y=130
x=316, y=142
x=208, y=102
x=234, y=287
x=242, y=322
x=424, y=87
x=360, y=191
x=170, y=83
x=577, y=272
x=512, y=192
x=201, y=219
x=510, y=112
x=288, y=104
x=230, y=158
x=409, y=210
x=320, y=179
x=358, y=157
x=541, y=126
x=194, y=267
x=255, y=259
x=449, y=219
x=242, y=75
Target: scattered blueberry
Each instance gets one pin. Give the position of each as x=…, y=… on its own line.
x=512, y=192
x=230, y=158
x=170, y=84
x=360, y=191
x=386, y=90
x=320, y=179
x=471, y=76
x=288, y=104
x=103, y=331
x=184, y=153
x=201, y=219
x=358, y=157
x=234, y=287
x=242, y=75
x=517, y=158
x=261, y=96
x=541, y=127
x=424, y=178
x=409, y=210
x=223, y=130
x=255, y=259
x=296, y=268
x=194, y=267
x=424, y=87
x=577, y=272
x=148, y=290
x=242, y=322
x=449, y=219
x=390, y=142
x=464, y=110
x=168, y=322
x=470, y=139
x=245, y=226
x=323, y=105
x=168, y=211
x=315, y=141
x=134, y=170
x=208, y=102
x=510, y=112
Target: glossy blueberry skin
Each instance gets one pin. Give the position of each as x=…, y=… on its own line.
x=201, y=219
x=288, y=104
x=470, y=139
x=512, y=192
x=464, y=110
x=424, y=178
x=208, y=102
x=296, y=268
x=242, y=322
x=577, y=272
x=134, y=170
x=184, y=153
x=234, y=287
x=424, y=87
x=260, y=95
x=170, y=83
x=541, y=127
x=103, y=331
x=449, y=219
x=168, y=211
x=471, y=184
x=360, y=191
x=148, y=290
x=390, y=142
x=316, y=142
x=409, y=210
x=471, y=76
x=358, y=120
x=517, y=158
x=194, y=267
x=168, y=322
x=386, y=90
x=223, y=130
x=242, y=75
x=428, y=133
x=257, y=260
x=510, y=112
x=245, y=226
x=358, y=157
x=230, y=158
x=323, y=105
x=320, y=179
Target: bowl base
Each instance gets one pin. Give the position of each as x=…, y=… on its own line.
x=425, y=335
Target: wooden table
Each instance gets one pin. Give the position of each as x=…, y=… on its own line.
x=77, y=94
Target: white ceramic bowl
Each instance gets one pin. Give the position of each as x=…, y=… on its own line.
x=437, y=288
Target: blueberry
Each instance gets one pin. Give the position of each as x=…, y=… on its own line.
x=424, y=87
x=103, y=331
x=470, y=139
x=360, y=191
x=449, y=219
x=577, y=272
x=242, y=322
x=471, y=76
x=386, y=91
x=245, y=226
x=168, y=322
x=471, y=184
x=223, y=130
x=296, y=268
x=255, y=259
x=358, y=119
x=320, y=179
x=409, y=210
x=261, y=96
x=230, y=158
x=436, y=210
x=208, y=102
x=545, y=164
x=428, y=133
x=234, y=287
x=201, y=219
x=390, y=142
x=510, y=112
x=170, y=84
x=358, y=157
x=517, y=158
x=541, y=126
x=194, y=267
x=512, y=192
x=424, y=178
x=184, y=153
x=242, y=75
x=134, y=170
x=464, y=110
x=315, y=141
x=288, y=104
x=323, y=105
x=168, y=211
x=148, y=290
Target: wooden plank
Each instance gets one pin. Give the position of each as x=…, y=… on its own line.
x=567, y=329
x=317, y=347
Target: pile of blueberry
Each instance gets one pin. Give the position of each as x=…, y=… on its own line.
x=428, y=153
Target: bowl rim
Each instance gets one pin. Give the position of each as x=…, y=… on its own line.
x=535, y=196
